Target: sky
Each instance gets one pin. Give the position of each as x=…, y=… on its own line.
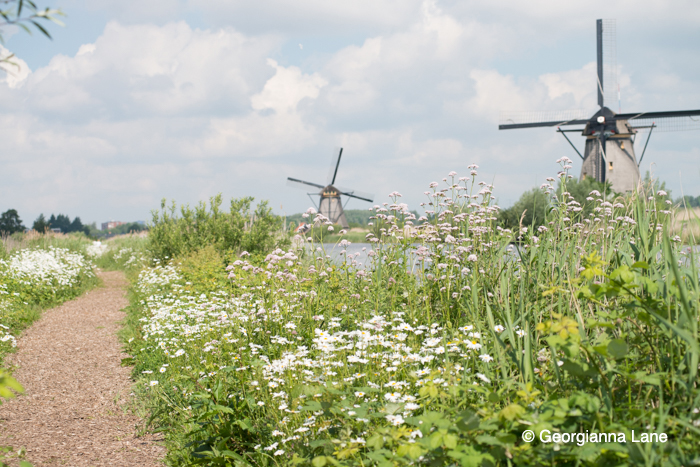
x=133, y=102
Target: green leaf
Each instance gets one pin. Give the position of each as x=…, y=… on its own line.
x=319, y=443
x=415, y=451
x=511, y=412
x=468, y=421
x=12, y=383
x=376, y=441
x=617, y=348
x=488, y=439
x=649, y=379
x=435, y=440
x=392, y=408
x=313, y=406
x=450, y=441
x=507, y=438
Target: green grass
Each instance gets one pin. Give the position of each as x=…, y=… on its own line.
x=352, y=236
x=124, y=252
x=74, y=241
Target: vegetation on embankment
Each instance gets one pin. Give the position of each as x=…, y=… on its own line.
x=532, y=207
x=444, y=349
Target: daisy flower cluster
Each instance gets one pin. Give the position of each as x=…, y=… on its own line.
x=276, y=347
x=6, y=307
x=96, y=249
x=33, y=276
x=55, y=268
x=128, y=257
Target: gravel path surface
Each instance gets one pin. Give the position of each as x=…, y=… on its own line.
x=74, y=411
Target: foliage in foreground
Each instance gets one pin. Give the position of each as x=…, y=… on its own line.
x=441, y=346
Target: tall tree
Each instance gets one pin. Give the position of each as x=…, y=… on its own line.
x=60, y=222
x=77, y=226
x=10, y=222
x=41, y=224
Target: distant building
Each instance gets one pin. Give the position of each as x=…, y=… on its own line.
x=111, y=224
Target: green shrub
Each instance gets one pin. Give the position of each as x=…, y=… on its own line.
x=529, y=211
x=204, y=268
x=534, y=205
x=240, y=229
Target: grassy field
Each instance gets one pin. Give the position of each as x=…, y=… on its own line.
x=455, y=340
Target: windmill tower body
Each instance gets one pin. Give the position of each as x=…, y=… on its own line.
x=331, y=206
x=608, y=154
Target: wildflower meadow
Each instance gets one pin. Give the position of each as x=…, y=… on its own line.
x=441, y=343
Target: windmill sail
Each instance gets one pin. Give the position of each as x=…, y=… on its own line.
x=301, y=184
x=364, y=196
x=531, y=119
x=664, y=121
x=335, y=163
x=608, y=87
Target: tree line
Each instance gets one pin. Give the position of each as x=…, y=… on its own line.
x=10, y=222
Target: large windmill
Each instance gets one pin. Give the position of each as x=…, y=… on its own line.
x=609, y=151
x=330, y=203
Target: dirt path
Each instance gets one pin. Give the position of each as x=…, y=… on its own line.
x=74, y=410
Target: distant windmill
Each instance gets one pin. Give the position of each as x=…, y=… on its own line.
x=609, y=151
x=330, y=204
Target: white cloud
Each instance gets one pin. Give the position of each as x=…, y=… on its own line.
x=286, y=89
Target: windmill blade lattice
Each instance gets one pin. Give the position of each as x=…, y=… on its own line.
x=665, y=121
x=362, y=195
x=302, y=185
x=335, y=163
x=530, y=119
x=665, y=125
x=607, y=63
